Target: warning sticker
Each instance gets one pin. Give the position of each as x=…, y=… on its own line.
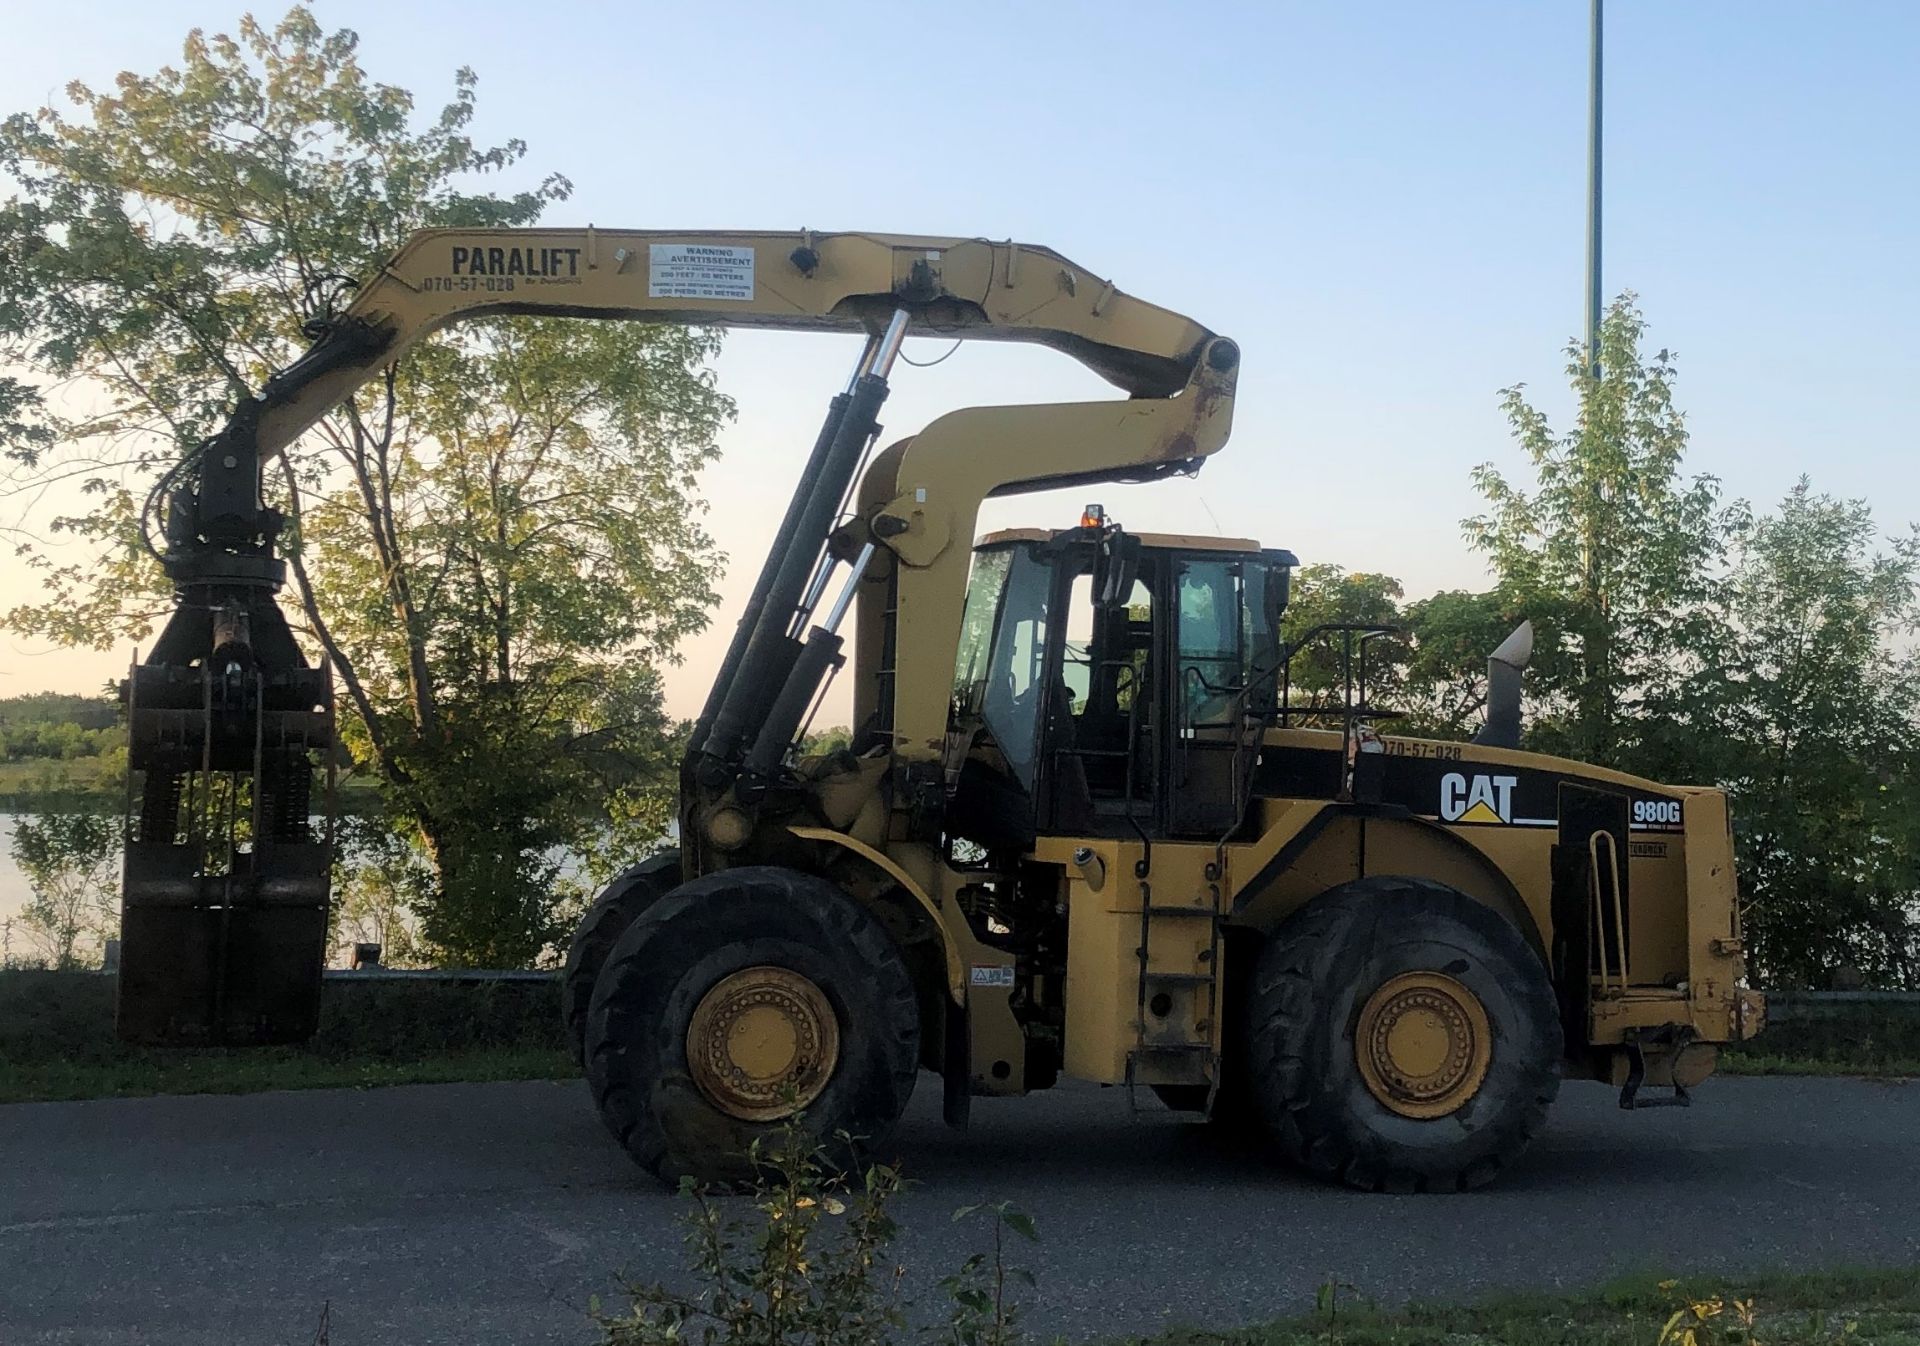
x=698, y=271
x=988, y=974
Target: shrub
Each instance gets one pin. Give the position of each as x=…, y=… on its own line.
x=806, y=1263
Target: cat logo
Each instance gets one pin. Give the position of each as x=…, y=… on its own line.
x=1477, y=799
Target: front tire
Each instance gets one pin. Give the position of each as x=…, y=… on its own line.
x=620, y=903
x=1399, y=1036
x=739, y=1000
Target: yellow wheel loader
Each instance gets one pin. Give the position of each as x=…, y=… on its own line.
x=1083, y=828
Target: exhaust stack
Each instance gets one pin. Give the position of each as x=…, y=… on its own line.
x=1504, y=667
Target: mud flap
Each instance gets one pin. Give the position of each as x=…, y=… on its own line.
x=956, y=1068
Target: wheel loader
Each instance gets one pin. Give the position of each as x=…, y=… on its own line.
x=1085, y=828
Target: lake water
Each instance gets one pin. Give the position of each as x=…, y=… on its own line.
x=14, y=892
x=14, y=895
x=13, y=884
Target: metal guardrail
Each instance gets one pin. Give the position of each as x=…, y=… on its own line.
x=1781, y=1005
x=1787, y=1006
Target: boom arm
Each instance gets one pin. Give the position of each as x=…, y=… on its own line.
x=225, y=890
x=951, y=287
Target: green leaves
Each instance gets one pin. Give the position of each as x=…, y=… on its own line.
x=1002, y=1213
x=794, y=1264
x=71, y=861
x=1817, y=710
x=1435, y=673
x=495, y=546
x=981, y=1310
x=1611, y=551
x=162, y=242
x=1690, y=641
x=1685, y=640
x=1021, y=1223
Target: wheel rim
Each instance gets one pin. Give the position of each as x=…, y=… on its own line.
x=1423, y=1044
x=763, y=1043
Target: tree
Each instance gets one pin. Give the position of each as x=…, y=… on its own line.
x=71, y=861
x=1612, y=552
x=820, y=742
x=1819, y=741
x=1452, y=635
x=379, y=882
x=1325, y=594
x=495, y=544
x=1685, y=641
x=1434, y=672
x=501, y=635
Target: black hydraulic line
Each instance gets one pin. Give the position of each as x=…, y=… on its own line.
x=790, y=705
x=770, y=652
x=813, y=665
x=776, y=556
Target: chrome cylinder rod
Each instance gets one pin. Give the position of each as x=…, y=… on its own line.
x=878, y=360
x=838, y=612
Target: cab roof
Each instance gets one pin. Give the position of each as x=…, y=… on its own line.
x=1163, y=541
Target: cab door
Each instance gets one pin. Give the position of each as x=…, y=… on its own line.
x=1222, y=689
x=1102, y=739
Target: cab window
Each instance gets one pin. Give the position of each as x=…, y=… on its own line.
x=1014, y=689
x=1212, y=663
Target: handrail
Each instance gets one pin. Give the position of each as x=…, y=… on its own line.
x=1367, y=631
x=1599, y=918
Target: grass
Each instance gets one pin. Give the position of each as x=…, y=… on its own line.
x=28, y=773
x=83, y=783
x=101, y=782
x=1876, y=1040
x=246, y=1072
x=1880, y=1306
x=1774, y=1063
x=57, y=1041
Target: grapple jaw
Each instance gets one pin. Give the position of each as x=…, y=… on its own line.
x=224, y=916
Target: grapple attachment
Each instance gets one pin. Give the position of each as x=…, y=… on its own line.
x=224, y=894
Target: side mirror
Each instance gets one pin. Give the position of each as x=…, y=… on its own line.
x=1116, y=570
x=1279, y=587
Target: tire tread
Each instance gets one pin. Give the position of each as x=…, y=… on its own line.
x=1280, y=1015
x=840, y=922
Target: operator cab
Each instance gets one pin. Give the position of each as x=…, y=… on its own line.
x=1111, y=684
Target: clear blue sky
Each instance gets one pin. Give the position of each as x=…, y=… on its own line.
x=1383, y=203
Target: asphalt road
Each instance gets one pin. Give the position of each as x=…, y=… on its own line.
x=490, y=1213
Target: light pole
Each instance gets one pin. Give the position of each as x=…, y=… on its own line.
x=1593, y=197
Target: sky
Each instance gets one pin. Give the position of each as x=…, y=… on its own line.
x=1384, y=204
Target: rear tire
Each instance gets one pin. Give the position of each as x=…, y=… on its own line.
x=1330, y=968
x=660, y=984
x=629, y=893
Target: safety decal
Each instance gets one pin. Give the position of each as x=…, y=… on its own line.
x=698, y=271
